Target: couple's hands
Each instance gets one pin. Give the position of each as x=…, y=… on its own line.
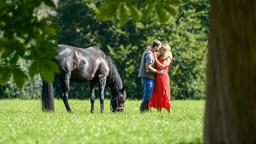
x=162, y=72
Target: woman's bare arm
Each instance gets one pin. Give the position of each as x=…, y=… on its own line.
x=150, y=68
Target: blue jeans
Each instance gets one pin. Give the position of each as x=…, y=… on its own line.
x=148, y=85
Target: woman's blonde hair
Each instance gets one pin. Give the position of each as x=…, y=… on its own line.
x=168, y=52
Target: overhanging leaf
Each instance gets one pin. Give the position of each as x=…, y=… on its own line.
x=172, y=10
x=5, y=74
x=161, y=14
x=107, y=10
x=33, y=69
x=19, y=77
x=48, y=69
x=123, y=17
x=134, y=12
x=45, y=73
x=50, y=3
x=53, y=66
x=148, y=10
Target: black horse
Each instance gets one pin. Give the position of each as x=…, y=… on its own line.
x=89, y=64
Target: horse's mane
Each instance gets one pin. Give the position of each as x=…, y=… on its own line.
x=114, y=80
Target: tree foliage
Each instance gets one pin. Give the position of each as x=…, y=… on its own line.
x=26, y=35
x=125, y=10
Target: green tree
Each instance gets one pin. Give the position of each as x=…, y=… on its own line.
x=189, y=40
x=26, y=35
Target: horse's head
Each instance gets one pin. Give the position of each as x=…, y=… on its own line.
x=117, y=101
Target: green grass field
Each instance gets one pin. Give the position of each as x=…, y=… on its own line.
x=22, y=121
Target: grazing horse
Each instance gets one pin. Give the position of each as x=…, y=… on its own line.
x=89, y=64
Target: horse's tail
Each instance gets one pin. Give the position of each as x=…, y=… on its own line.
x=47, y=97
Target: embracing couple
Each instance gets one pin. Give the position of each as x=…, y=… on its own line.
x=153, y=71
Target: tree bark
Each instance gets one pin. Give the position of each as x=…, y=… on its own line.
x=47, y=97
x=230, y=115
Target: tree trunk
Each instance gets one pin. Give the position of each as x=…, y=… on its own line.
x=230, y=116
x=47, y=97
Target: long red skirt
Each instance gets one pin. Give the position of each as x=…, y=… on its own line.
x=161, y=96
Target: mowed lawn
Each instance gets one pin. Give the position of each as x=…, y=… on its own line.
x=22, y=121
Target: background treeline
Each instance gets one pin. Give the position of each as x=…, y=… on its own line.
x=77, y=25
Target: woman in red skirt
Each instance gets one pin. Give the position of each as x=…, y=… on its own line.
x=161, y=96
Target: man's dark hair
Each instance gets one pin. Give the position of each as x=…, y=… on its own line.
x=155, y=43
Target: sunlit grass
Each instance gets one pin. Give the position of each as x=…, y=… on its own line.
x=22, y=121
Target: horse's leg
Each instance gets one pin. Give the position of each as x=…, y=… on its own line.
x=92, y=89
x=65, y=79
x=102, y=84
